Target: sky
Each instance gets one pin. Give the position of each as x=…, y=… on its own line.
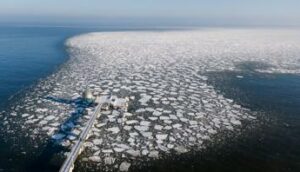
x=189, y=12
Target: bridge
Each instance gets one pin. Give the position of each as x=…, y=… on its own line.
x=68, y=164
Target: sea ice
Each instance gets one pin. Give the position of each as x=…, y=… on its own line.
x=165, y=76
x=124, y=166
x=114, y=130
x=161, y=136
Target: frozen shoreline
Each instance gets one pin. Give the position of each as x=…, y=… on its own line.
x=174, y=110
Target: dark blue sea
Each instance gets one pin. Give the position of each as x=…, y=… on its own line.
x=28, y=54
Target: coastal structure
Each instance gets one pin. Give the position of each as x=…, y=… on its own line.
x=87, y=95
x=78, y=147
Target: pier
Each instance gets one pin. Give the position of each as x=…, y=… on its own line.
x=68, y=164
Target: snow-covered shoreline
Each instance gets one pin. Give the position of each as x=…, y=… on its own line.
x=173, y=109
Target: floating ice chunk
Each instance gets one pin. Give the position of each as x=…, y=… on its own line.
x=51, y=131
x=179, y=114
x=193, y=122
x=76, y=132
x=184, y=119
x=237, y=106
x=141, y=128
x=164, y=118
x=114, y=130
x=153, y=154
x=58, y=136
x=120, y=103
x=145, y=123
x=107, y=150
x=127, y=114
x=192, y=139
x=133, y=153
x=25, y=115
x=229, y=127
x=180, y=149
x=29, y=122
x=153, y=118
x=71, y=137
x=55, y=124
x=167, y=127
x=65, y=143
x=41, y=110
x=162, y=148
x=170, y=146
x=127, y=127
x=158, y=127
x=157, y=113
x=174, y=117
x=165, y=102
x=117, y=149
x=167, y=111
x=191, y=114
x=212, y=131
x=97, y=153
x=124, y=166
x=43, y=122
x=252, y=117
x=161, y=136
x=95, y=159
x=133, y=134
x=123, y=146
x=88, y=144
x=199, y=115
x=145, y=152
x=129, y=122
x=140, y=110
x=147, y=134
x=97, y=141
x=168, y=121
x=216, y=120
x=145, y=98
x=176, y=125
x=115, y=113
x=235, y=121
x=149, y=109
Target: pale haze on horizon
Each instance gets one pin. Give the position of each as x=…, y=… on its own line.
x=267, y=12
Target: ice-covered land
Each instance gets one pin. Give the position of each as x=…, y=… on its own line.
x=172, y=108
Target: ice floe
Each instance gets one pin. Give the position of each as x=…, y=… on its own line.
x=161, y=78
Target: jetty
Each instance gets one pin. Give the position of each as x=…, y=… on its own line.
x=68, y=164
x=103, y=102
